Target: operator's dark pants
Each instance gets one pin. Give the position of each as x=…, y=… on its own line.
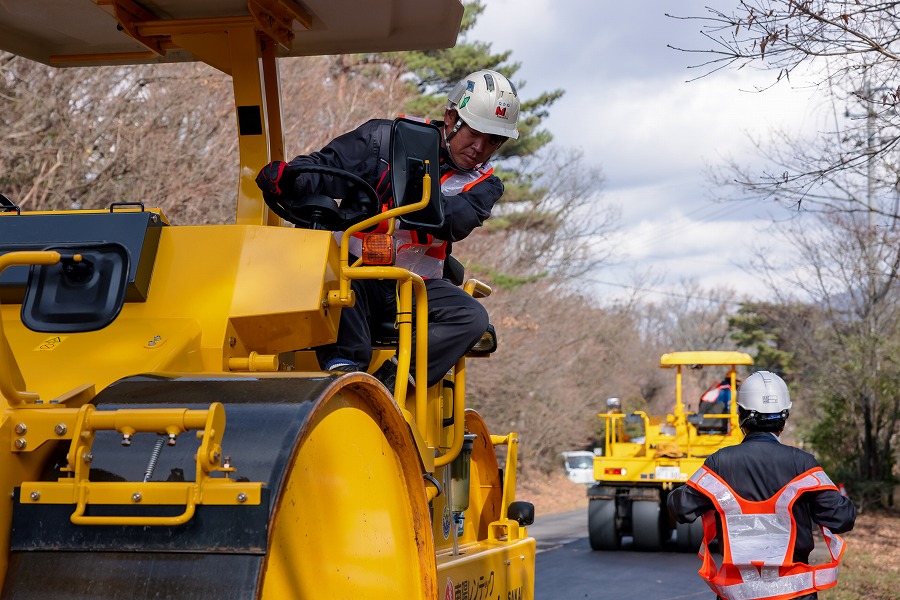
x=456, y=321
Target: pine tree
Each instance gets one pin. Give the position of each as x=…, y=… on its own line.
x=435, y=72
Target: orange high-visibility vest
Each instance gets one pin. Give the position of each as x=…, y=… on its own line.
x=758, y=544
x=426, y=259
x=712, y=394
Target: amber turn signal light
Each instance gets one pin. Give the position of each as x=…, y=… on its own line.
x=378, y=249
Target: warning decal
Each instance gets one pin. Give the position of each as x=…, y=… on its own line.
x=50, y=343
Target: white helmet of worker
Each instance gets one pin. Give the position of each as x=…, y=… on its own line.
x=487, y=102
x=765, y=393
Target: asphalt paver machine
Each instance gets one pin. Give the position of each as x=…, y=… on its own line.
x=645, y=457
x=164, y=430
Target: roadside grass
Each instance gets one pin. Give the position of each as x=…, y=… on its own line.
x=870, y=567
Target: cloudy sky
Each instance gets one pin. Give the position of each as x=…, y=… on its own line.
x=629, y=107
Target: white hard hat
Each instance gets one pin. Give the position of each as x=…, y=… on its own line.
x=487, y=102
x=764, y=392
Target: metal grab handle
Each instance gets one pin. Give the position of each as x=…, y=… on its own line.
x=477, y=289
x=79, y=518
x=511, y=441
x=210, y=427
x=78, y=490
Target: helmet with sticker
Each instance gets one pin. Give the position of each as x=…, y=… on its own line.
x=764, y=402
x=487, y=102
x=764, y=392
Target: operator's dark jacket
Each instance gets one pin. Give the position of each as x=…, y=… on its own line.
x=456, y=320
x=365, y=152
x=756, y=469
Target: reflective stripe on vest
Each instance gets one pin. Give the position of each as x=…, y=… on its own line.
x=759, y=541
x=457, y=182
x=427, y=260
x=712, y=394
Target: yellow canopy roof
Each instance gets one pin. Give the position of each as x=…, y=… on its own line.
x=98, y=32
x=705, y=357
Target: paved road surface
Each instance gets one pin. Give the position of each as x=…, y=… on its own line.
x=567, y=568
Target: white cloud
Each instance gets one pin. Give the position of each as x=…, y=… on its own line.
x=628, y=106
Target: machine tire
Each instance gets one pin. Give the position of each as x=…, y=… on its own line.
x=645, y=525
x=602, y=529
x=689, y=536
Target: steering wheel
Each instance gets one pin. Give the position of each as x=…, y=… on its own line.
x=317, y=211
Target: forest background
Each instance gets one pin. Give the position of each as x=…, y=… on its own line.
x=83, y=138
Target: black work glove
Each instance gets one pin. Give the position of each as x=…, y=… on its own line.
x=270, y=177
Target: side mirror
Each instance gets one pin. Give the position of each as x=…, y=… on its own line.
x=487, y=344
x=415, y=148
x=521, y=512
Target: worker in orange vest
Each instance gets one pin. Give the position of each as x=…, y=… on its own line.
x=715, y=401
x=760, y=499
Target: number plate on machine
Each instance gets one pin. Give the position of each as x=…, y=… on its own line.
x=668, y=473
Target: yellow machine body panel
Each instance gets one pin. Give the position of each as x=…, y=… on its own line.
x=217, y=292
x=480, y=552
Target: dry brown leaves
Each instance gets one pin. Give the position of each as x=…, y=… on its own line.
x=551, y=493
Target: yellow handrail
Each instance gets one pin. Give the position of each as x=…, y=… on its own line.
x=12, y=384
x=459, y=415
x=509, y=476
x=342, y=297
x=405, y=279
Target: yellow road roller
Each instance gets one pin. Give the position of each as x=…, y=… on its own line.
x=645, y=457
x=165, y=431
